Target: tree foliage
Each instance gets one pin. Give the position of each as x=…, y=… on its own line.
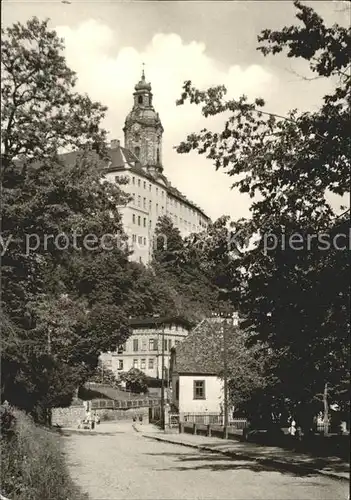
x=62, y=292
x=136, y=380
x=288, y=165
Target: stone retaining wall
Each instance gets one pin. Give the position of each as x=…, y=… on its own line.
x=68, y=417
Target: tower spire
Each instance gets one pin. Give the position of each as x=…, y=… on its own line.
x=143, y=73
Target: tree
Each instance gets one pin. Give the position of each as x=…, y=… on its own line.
x=290, y=164
x=63, y=291
x=136, y=380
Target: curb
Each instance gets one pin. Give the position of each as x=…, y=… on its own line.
x=267, y=461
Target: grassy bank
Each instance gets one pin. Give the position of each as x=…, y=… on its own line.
x=32, y=463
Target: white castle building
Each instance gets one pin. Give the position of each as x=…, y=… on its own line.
x=140, y=162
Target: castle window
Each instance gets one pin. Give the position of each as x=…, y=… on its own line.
x=140, y=99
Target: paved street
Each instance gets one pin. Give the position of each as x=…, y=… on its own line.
x=118, y=463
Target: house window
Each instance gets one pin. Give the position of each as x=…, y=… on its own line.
x=149, y=187
x=156, y=190
x=117, y=178
x=135, y=363
x=156, y=207
x=199, y=389
x=143, y=364
x=152, y=345
x=133, y=200
x=144, y=185
x=149, y=223
x=134, y=238
x=150, y=204
x=133, y=180
x=135, y=345
x=139, y=182
x=140, y=240
x=177, y=390
x=139, y=219
x=121, y=348
x=140, y=260
x=151, y=363
x=144, y=221
x=144, y=203
x=133, y=218
x=144, y=241
x=143, y=345
x=139, y=200
x=120, y=364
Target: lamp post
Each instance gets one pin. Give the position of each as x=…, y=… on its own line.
x=162, y=379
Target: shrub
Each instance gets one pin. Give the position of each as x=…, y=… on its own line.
x=32, y=463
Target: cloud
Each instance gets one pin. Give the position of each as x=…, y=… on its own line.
x=108, y=71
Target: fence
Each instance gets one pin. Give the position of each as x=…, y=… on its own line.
x=102, y=404
x=212, y=418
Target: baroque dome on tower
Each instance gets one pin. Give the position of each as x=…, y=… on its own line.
x=143, y=128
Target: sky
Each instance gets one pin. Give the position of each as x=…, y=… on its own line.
x=208, y=43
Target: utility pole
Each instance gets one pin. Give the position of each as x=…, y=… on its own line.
x=225, y=375
x=162, y=379
x=48, y=409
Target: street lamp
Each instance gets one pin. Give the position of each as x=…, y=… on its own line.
x=162, y=379
x=162, y=370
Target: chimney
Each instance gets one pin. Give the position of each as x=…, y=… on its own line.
x=115, y=144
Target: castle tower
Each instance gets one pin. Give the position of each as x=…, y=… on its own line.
x=143, y=129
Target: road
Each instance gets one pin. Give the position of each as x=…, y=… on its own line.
x=118, y=463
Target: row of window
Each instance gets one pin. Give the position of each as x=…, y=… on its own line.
x=145, y=205
x=139, y=239
x=134, y=219
x=141, y=345
x=172, y=201
x=138, y=183
x=150, y=364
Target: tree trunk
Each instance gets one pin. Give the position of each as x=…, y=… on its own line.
x=326, y=409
